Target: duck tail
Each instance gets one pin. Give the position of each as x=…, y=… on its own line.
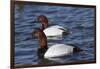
x=76, y=48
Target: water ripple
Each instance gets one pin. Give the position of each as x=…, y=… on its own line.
x=79, y=21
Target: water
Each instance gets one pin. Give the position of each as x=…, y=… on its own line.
x=79, y=21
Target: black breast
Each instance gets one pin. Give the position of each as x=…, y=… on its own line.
x=41, y=52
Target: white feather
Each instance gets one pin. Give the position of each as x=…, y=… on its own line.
x=58, y=50
x=54, y=30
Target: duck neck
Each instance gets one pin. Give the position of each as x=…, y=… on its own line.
x=42, y=41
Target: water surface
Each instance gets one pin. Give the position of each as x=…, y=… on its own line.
x=79, y=21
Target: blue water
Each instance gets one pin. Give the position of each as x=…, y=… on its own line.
x=79, y=21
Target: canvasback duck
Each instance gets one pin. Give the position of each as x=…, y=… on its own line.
x=56, y=50
x=55, y=30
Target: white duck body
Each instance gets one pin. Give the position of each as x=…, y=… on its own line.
x=58, y=50
x=54, y=31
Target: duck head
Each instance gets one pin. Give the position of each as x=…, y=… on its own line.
x=44, y=21
x=42, y=42
x=41, y=37
x=37, y=33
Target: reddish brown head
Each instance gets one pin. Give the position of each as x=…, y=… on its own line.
x=37, y=33
x=41, y=37
x=44, y=21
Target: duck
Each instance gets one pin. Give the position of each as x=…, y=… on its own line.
x=51, y=31
x=56, y=50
